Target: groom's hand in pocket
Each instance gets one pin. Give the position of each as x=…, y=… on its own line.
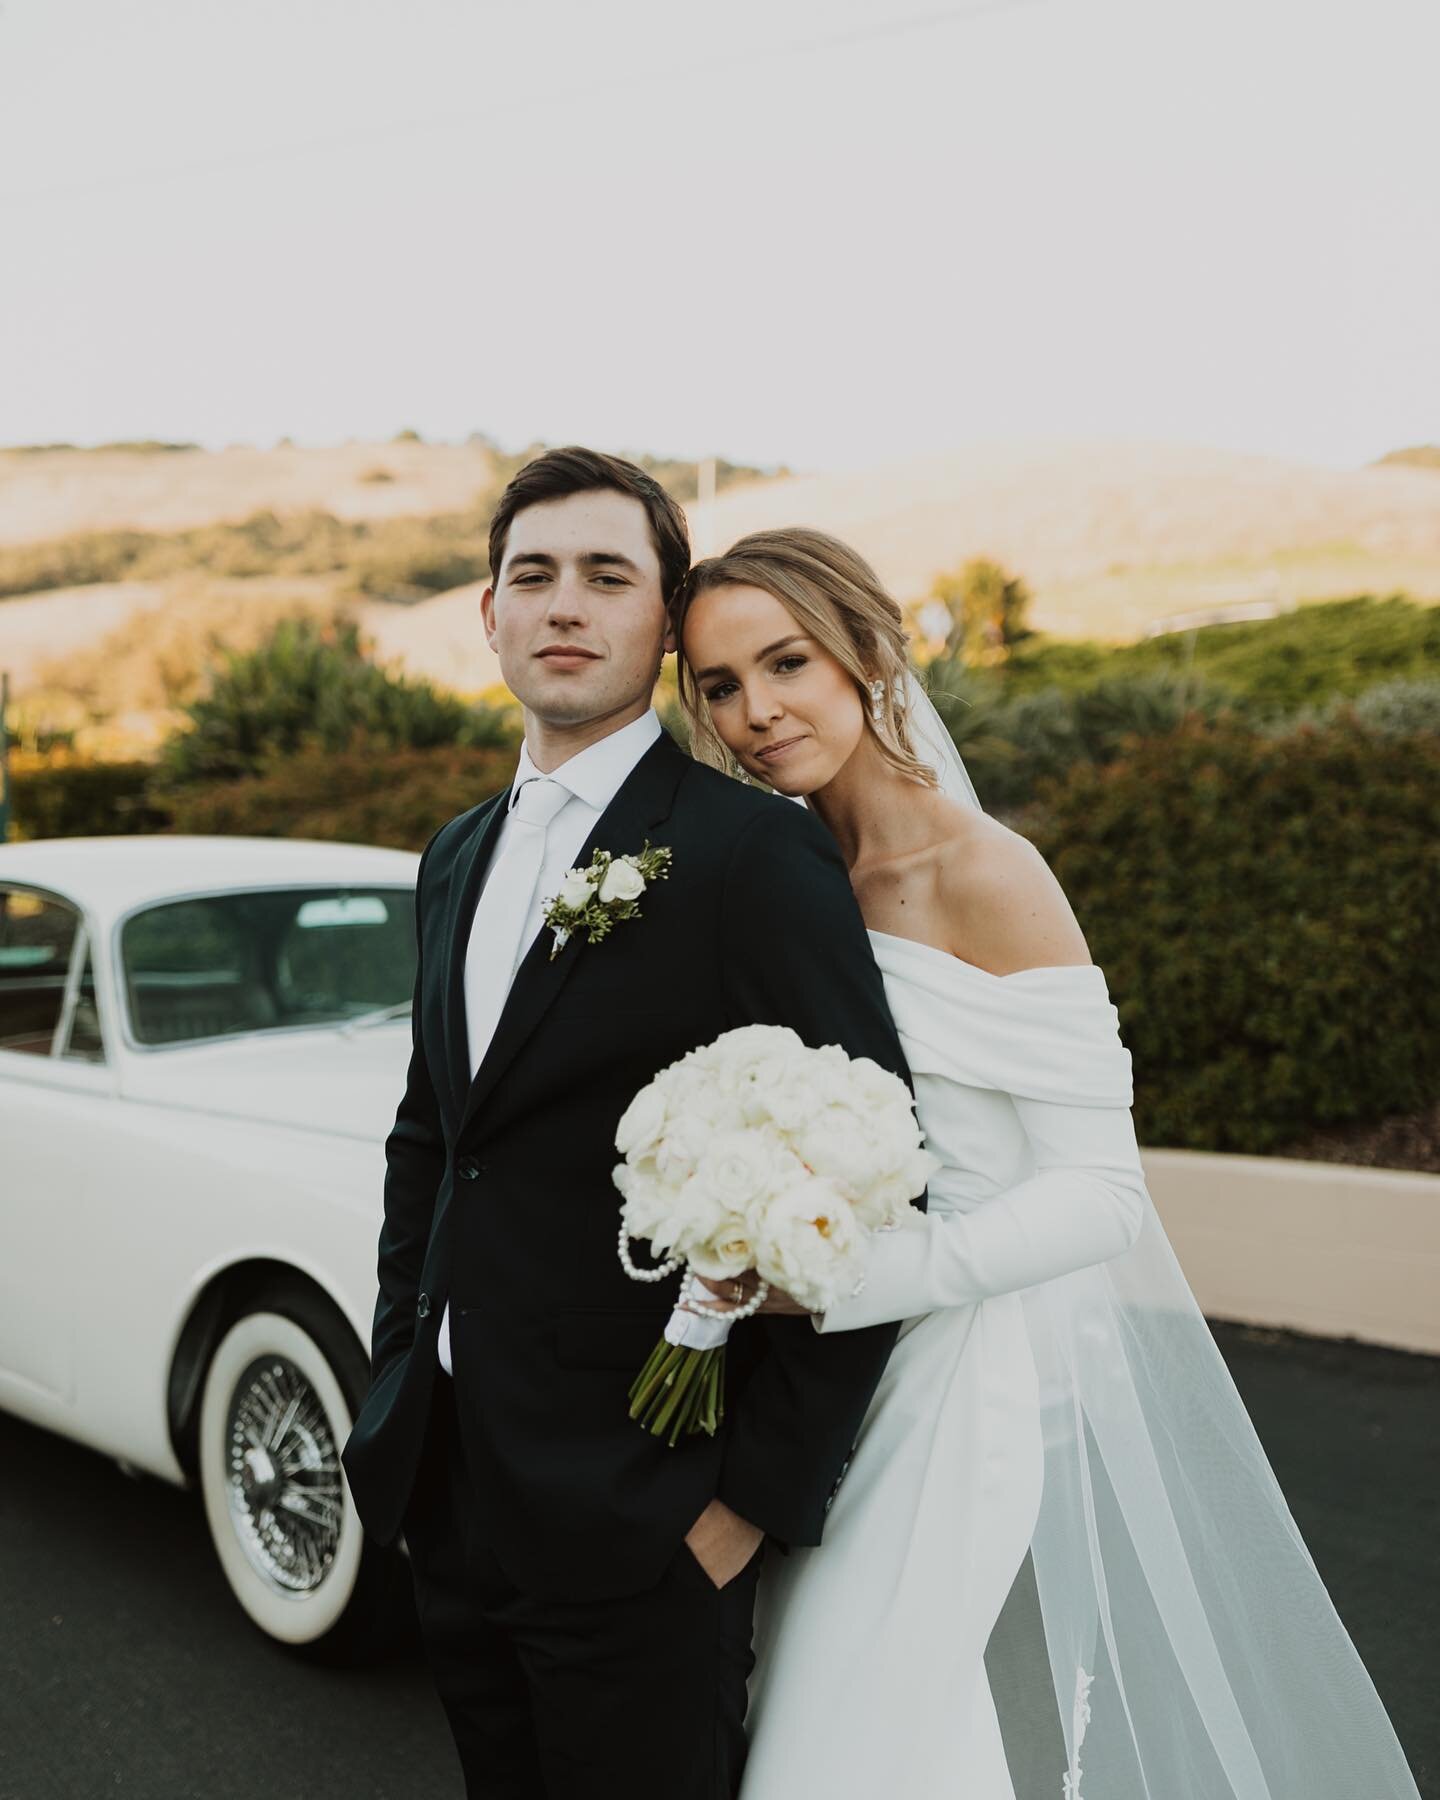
x=722, y=1542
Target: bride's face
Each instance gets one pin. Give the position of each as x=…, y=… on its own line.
x=784, y=707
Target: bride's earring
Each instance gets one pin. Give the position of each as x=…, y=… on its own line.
x=877, y=700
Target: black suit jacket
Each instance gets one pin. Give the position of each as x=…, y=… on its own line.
x=499, y=1198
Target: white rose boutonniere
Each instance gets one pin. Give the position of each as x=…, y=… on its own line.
x=623, y=881
x=575, y=890
x=592, y=900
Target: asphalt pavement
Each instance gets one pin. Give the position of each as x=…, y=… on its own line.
x=125, y=1668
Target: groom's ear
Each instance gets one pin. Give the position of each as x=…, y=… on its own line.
x=669, y=643
x=487, y=615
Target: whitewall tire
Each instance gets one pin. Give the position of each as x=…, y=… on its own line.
x=273, y=1420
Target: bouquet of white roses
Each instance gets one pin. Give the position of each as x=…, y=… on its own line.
x=757, y=1152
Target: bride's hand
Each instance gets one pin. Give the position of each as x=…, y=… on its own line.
x=738, y=1289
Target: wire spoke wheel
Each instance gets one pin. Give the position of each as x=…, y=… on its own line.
x=285, y=1491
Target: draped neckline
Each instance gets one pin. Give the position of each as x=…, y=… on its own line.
x=1046, y=1033
x=959, y=962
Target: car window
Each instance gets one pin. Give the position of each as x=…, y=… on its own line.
x=267, y=959
x=37, y=939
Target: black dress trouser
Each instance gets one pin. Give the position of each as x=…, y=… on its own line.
x=640, y=1698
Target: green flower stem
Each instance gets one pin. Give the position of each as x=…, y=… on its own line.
x=677, y=1387
x=661, y=1365
x=680, y=1392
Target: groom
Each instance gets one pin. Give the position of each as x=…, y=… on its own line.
x=585, y=1591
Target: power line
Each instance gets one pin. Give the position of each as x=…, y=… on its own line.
x=401, y=128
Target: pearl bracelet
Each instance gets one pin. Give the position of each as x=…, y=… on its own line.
x=709, y=1307
x=661, y=1270
x=687, y=1285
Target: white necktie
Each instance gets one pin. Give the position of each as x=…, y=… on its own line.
x=497, y=932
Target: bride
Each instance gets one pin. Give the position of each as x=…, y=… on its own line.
x=1059, y=1564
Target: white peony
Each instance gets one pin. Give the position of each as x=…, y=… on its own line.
x=839, y=1143
x=887, y=1201
x=741, y=1168
x=808, y=1243
x=642, y=1122
x=681, y=1147
x=878, y=1087
x=694, y=1216
x=802, y=1093
x=648, y=1202
x=622, y=881
x=704, y=1099
x=752, y=1043
x=729, y=1251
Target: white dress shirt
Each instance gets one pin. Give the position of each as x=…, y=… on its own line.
x=593, y=778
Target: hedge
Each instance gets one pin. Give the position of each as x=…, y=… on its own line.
x=67, y=796
x=360, y=796
x=1267, y=912
x=1014, y=744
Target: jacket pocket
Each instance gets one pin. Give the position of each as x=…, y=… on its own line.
x=606, y=1338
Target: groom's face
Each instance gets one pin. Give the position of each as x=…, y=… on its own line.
x=576, y=613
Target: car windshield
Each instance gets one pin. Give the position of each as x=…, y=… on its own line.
x=271, y=959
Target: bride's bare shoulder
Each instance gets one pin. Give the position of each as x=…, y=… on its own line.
x=1004, y=909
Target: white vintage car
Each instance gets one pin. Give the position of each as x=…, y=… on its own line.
x=202, y=1045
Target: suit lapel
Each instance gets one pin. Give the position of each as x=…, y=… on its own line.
x=643, y=803
x=470, y=865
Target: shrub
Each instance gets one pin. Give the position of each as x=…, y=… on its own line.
x=1266, y=910
x=311, y=683
x=368, y=794
x=66, y=796
x=1013, y=746
x=1393, y=709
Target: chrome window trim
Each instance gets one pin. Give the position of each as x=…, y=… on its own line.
x=79, y=950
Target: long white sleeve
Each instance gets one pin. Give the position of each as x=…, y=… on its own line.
x=1083, y=1204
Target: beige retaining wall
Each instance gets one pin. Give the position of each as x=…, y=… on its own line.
x=1318, y=1247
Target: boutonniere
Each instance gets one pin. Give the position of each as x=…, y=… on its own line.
x=592, y=900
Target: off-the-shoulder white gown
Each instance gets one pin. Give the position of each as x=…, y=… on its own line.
x=870, y=1676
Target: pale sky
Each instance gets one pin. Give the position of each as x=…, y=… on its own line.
x=824, y=232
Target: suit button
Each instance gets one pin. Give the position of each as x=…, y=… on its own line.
x=422, y=1306
x=467, y=1170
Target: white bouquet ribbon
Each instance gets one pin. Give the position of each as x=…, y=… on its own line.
x=689, y=1330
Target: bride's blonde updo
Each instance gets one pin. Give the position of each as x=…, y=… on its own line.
x=834, y=595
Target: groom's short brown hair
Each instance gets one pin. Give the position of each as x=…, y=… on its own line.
x=574, y=470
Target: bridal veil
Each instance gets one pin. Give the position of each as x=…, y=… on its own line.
x=1176, y=1624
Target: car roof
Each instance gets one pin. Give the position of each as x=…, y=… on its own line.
x=111, y=875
